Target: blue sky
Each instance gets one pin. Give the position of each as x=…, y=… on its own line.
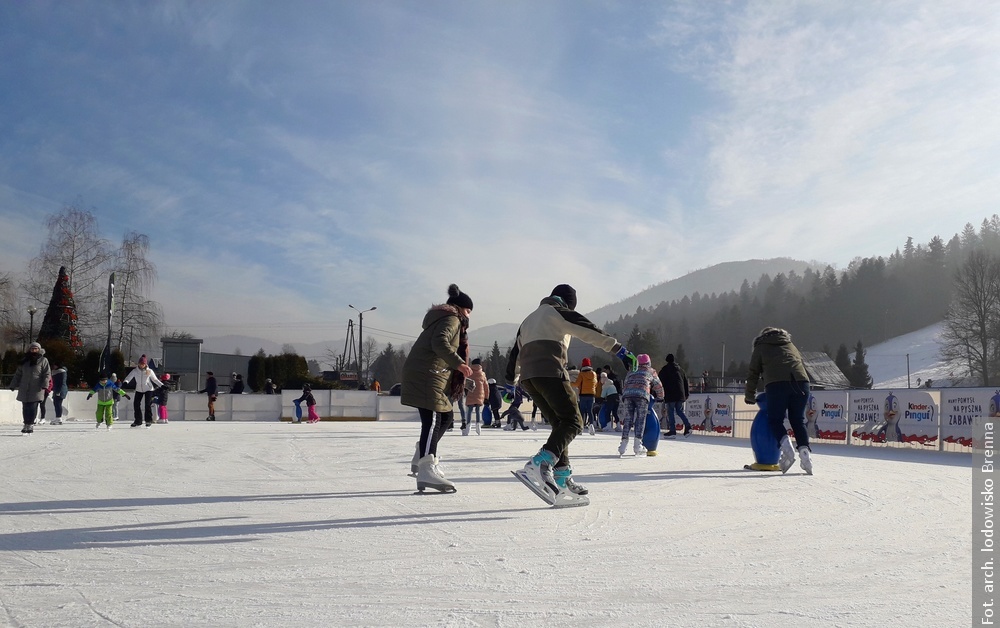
x=287, y=159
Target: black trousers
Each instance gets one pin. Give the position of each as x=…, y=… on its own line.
x=142, y=400
x=557, y=401
x=431, y=431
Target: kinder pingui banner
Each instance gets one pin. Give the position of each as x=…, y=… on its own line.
x=890, y=416
x=960, y=407
x=826, y=415
x=711, y=412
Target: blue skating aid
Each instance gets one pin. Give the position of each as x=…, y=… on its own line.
x=763, y=441
x=651, y=437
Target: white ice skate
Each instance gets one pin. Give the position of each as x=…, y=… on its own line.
x=787, y=456
x=637, y=448
x=430, y=476
x=537, y=476
x=622, y=447
x=591, y=430
x=478, y=431
x=414, y=461
x=805, y=460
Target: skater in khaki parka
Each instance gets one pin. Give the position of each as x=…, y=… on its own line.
x=433, y=376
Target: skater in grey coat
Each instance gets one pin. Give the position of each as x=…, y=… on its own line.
x=31, y=381
x=433, y=374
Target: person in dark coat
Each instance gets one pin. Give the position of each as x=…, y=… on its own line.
x=433, y=376
x=31, y=381
x=212, y=390
x=237, y=386
x=777, y=365
x=675, y=392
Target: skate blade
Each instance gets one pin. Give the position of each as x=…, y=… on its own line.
x=761, y=467
x=440, y=488
x=570, y=500
x=541, y=492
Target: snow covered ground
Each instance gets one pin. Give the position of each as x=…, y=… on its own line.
x=270, y=524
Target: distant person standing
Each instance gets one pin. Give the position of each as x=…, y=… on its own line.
x=268, y=387
x=777, y=364
x=377, y=387
x=237, y=386
x=586, y=386
x=675, y=392
x=60, y=389
x=433, y=375
x=146, y=383
x=31, y=379
x=212, y=390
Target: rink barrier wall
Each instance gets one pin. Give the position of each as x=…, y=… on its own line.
x=331, y=405
x=930, y=419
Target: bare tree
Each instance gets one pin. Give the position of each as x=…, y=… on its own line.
x=134, y=277
x=972, y=326
x=74, y=243
x=369, y=347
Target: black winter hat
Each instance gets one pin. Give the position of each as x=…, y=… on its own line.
x=567, y=293
x=458, y=298
x=670, y=358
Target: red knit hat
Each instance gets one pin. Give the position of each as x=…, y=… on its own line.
x=586, y=362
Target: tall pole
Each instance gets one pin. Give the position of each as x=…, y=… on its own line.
x=361, y=330
x=31, y=326
x=723, y=366
x=907, y=370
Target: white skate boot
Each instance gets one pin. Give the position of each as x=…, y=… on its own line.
x=805, y=460
x=430, y=476
x=637, y=447
x=787, y=456
x=622, y=447
x=413, y=462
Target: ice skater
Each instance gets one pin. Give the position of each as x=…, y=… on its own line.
x=777, y=364
x=586, y=384
x=538, y=360
x=31, y=379
x=513, y=413
x=212, y=390
x=59, y=391
x=609, y=393
x=162, y=393
x=637, y=388
x=675, y=392
x=107, y=393
x=307, y=396
x=146, y=382
x=433, y=375
x=476, y=397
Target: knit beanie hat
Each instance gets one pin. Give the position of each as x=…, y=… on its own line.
x=643, y=358
x=567, y=293
x=585, y=362
x=477, y=361
x=142, y=360
x=670, y=358
x=458, y=298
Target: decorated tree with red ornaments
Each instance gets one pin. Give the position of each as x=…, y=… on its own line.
x=60, y=322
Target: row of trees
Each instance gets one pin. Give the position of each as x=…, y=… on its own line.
x=872, y=300
x=68, y=281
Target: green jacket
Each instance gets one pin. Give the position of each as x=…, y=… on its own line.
x=428, y=367
x=774, y=359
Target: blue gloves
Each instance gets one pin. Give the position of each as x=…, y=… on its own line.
x=508, y=393
x=628, y=359
x=622, y=353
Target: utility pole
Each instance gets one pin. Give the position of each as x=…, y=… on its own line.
x=361, y=333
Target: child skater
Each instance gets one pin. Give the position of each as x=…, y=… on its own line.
x=107, y=394
x=494, y=400
x=307, y=396
x=635, y=402
x=513, y=413
x=161, y=399
x=476, y=397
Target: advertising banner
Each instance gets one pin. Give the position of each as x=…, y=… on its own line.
x=960, y=407
x=826, y=415
x=711, y=413
x=890, y=416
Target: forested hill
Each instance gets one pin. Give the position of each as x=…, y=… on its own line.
x=718, y=279
x=873, y=299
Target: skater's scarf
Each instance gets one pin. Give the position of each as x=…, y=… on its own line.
x=457, y=385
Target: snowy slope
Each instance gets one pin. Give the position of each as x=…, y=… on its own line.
x=887, y=361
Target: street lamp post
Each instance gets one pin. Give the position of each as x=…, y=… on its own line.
x=31, y=327
x=361, y=329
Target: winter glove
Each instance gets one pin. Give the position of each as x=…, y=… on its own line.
x=89, y=396
x=750, y=401
x=126, y=396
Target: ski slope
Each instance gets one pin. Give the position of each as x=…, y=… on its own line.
x=269, y=524
x=921, y=351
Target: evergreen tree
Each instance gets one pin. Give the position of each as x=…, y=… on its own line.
x=681, y=357
x=859, y=369
x=60, y=316
x=843, y=360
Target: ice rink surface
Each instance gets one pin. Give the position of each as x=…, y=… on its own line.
x=268, y=524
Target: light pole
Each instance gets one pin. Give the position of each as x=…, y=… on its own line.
x=361, y=329
x=723, y=366
x=31, y=327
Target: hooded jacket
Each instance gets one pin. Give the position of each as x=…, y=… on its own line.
x=59, y=387
x=543, y=341
x=31, y=379
x=586, y=381
x=477, y=396
x=774, y=359
x=675, y=383
x=429, y=365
